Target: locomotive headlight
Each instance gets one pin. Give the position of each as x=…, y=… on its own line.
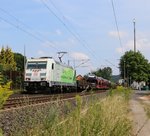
x=43, y=79
x=27, y=79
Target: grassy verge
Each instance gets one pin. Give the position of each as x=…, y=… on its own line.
x=5, y=92
x=147, y=109
x=94, y=117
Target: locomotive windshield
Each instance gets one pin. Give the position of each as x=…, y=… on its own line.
x=36, y=65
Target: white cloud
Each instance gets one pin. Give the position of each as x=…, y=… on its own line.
x=79, y=56
x=115, y=34
x=61, y=45
x=41, y=53
x=142, y=44
x=58, y=32
x=120, y=50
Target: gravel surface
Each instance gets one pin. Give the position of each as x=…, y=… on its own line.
x=141, y=123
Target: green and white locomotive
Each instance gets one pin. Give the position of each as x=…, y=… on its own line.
x=45, y=73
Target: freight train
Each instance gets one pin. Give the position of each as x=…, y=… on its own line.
x=46, y=74
x=92, y=82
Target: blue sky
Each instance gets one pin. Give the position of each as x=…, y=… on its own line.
x=90, y=34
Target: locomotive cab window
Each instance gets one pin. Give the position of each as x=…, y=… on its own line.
x=41, y=65
x=31, y=65
x=36, y=65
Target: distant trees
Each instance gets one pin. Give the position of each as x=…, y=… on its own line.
x=134, y=66
x=104, y=72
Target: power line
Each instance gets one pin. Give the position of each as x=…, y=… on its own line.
x=27, y=26
x=113, y=7
x=25, y=31
x=75, y=35
x=23, y=24
x=111, y=63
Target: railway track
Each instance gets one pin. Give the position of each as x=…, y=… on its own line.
x=25, y=100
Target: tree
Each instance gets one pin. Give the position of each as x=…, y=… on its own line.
x=19, y=59
x=2, y=55
x=105, y=73
x=7, y=59
x=7, y=63
x=133, y=65
x=2, y=59
x=10, y=62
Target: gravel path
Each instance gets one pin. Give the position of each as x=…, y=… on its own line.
x=141, y=123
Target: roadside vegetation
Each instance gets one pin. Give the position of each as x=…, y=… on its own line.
x=92, y=117
x=147, y=109
x=5, y=92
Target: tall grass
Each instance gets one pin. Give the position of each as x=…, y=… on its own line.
x=147, y=109
x=122, y=91
x=5, y=92
x=106, y=118
x=83, y=117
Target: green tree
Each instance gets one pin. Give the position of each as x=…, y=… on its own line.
x=2, y=59
x=19, y=59
x=10, y=62
x=133, y=65
x=7, y=62
x=105, y=73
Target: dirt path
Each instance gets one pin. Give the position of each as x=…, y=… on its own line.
x=141, y=123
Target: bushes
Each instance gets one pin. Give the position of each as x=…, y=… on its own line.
x=5, y=92
x=120, y=90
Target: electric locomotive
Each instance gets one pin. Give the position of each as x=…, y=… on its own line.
x=45, y=73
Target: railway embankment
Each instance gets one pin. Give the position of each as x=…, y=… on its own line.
x=19, y=120
x=96, y=114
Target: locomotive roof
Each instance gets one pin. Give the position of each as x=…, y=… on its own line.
x=46, y=59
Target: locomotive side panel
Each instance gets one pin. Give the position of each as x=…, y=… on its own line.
x=63, y=75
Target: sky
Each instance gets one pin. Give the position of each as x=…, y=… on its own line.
x=85, y=29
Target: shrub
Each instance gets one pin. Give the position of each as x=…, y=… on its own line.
x=120, y=90
x=5, y=92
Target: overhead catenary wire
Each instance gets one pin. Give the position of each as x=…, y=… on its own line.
x=24, y=30
x=111, y=64
x=32, y=34
x=23, y=24
x=75, y=35
x=53, y=4
x=116, y=22
x=81, y=39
